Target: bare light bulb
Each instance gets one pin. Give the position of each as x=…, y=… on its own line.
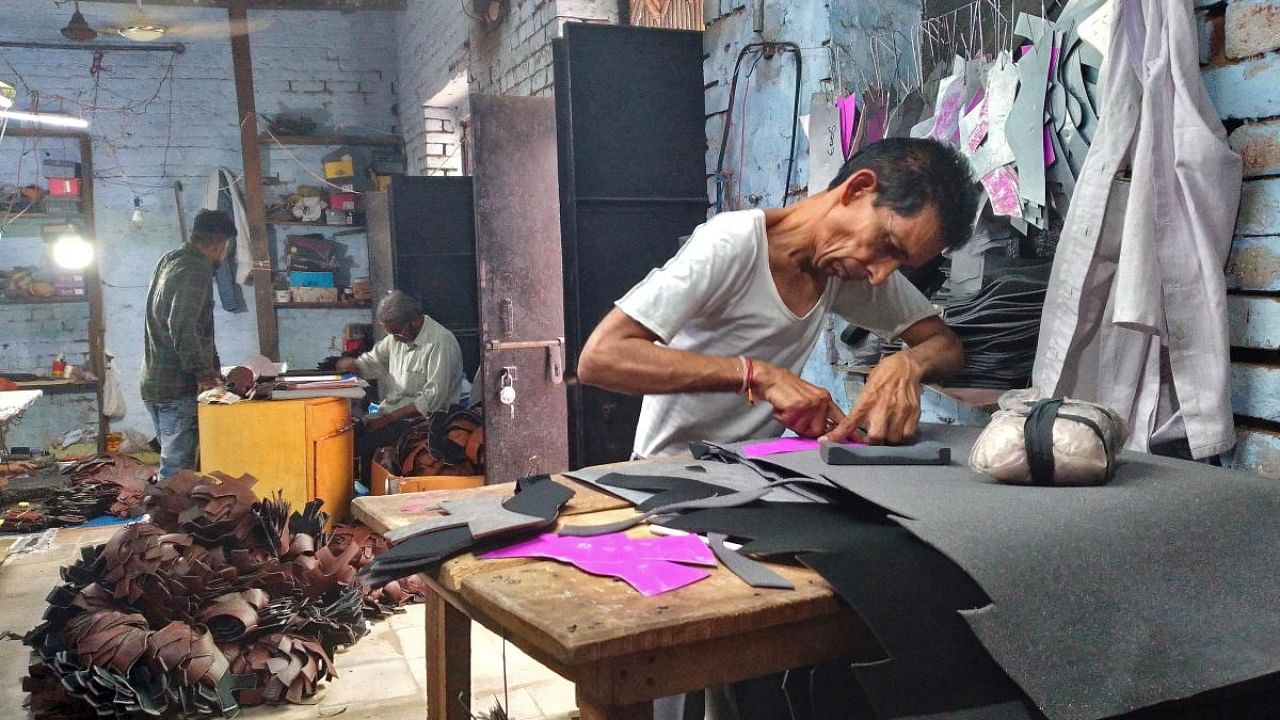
x=137, y=218
x=72, y=252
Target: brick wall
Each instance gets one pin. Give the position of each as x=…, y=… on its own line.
x=1240, y=39
x=164, y=118
x=445, y=55
x=433, y=45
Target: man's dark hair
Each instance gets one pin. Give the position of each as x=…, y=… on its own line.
x=914, y=173
x=212, y=226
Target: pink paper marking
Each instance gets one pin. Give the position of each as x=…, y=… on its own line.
x=646, y=564
x=782, y=445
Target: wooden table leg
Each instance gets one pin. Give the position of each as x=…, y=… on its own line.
x=589, y=709
x=448, y=660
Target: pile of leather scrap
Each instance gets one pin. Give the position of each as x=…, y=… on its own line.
x=223, y=600
x=449, y=442
x=105, y=485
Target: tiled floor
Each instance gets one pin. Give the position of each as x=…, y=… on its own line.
x=383, y=676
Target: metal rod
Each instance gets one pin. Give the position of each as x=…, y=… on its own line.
x=177, y=48
x=527, y=345
x=646, y=200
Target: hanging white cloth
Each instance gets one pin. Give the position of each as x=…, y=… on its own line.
x=1135, y=316
x=244, y=254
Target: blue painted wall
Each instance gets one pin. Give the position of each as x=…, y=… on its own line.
x=156, y=118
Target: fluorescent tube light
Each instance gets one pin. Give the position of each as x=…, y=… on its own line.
x=45, y=119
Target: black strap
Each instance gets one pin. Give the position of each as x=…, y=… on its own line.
x=1038, y=440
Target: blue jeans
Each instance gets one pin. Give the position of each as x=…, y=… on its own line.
x=175, y=422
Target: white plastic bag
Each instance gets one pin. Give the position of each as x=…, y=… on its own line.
x=113, y=402
x=1082, y=455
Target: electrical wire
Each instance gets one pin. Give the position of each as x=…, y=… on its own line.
x=767, y=50
x=301, y=164
x=728, y=120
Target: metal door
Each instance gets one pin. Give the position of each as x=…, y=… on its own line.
x=422, y=240
x=629, y=108
x=517, y=221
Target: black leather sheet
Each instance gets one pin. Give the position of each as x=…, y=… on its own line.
x=909, y=595
x=1159, y=586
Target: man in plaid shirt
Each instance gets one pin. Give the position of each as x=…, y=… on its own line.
x=179, y=358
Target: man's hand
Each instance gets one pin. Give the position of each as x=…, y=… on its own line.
x=888, y=410
x=378, y=422
x=209, y=383
x=800, y=406
x=346, y=365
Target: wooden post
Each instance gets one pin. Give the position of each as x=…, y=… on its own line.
x=255, y=203
x=93, y=287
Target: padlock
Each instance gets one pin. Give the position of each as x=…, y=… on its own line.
x=507, y=390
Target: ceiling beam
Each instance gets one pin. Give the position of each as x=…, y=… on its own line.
x=339, y=5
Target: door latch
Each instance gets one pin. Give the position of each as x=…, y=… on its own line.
x=553, y=348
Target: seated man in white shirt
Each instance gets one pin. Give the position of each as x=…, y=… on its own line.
x=418, y=366
x=732, y=318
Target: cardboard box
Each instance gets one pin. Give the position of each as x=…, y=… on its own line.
x=338, y=217
x=314, y=294
x=342, y=201
x=310, y=279
x=339, y=167
x=385, y=483
x=64, y=187
x=61, y=169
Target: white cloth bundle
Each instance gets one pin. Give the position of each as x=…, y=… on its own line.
x=1085, y=438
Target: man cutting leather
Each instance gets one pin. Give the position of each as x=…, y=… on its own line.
x=717, y=337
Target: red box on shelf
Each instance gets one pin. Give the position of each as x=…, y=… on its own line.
x=64, y=187
x=342, y=201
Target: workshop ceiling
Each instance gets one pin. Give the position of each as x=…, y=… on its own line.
x=340, y=5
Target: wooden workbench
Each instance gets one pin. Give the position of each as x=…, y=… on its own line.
x=621, y=649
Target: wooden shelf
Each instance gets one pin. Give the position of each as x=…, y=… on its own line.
x=323, y=306
x=57, y=217
x=300, y=223
x=387, y=140
x=44, y=301
x=53, y=385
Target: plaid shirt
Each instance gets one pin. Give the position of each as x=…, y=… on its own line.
x=178, y=346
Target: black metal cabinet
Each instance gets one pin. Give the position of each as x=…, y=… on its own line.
x=422, y=240
x=629, y=114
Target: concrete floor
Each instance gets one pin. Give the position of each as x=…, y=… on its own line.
x=383, y=676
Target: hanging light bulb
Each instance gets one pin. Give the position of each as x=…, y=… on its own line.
x=137, y=218
x=71, y=251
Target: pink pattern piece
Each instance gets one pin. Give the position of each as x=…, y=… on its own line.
x=1002, y=188
x=647, y=564
x=782, y=445
x=946, y=117
x=980, y=130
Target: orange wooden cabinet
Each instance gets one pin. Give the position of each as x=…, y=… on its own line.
x=302, y=448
